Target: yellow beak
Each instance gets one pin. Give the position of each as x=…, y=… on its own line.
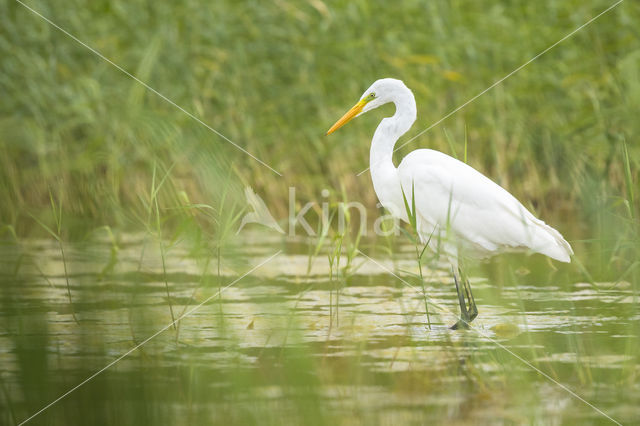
x=355, y=110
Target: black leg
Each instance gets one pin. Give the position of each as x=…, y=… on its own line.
x=464, y=313
x=467, y=314
x=473, y=309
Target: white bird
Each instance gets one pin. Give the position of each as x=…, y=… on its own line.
x=458, y=210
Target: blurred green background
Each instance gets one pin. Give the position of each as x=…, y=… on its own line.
x=88, y=157
x=274, y=76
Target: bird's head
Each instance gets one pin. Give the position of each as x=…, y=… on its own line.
x=379, y=93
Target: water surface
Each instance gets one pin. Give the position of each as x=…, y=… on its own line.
x=291, y=343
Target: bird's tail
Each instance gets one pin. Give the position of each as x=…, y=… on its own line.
x=551, y=243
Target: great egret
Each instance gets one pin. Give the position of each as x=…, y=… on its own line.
x=458, y=210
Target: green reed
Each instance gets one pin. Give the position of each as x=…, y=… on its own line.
x=560, y=134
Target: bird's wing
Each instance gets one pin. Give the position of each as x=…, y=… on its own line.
x=452, y=195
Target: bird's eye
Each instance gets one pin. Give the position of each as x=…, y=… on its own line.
x=372, y=95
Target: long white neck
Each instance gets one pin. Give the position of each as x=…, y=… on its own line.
x=383, y=171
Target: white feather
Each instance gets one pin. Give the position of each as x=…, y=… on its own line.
x=457, y=206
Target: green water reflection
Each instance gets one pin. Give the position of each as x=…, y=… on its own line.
x=286, y=346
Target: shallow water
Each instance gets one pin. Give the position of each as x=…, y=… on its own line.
x=283, y=345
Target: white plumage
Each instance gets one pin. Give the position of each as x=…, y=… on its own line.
x=458, y=209
x=482, y=217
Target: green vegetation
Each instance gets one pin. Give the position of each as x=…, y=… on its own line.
x=119, y=213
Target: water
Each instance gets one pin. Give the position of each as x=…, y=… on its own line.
x=283, y=345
